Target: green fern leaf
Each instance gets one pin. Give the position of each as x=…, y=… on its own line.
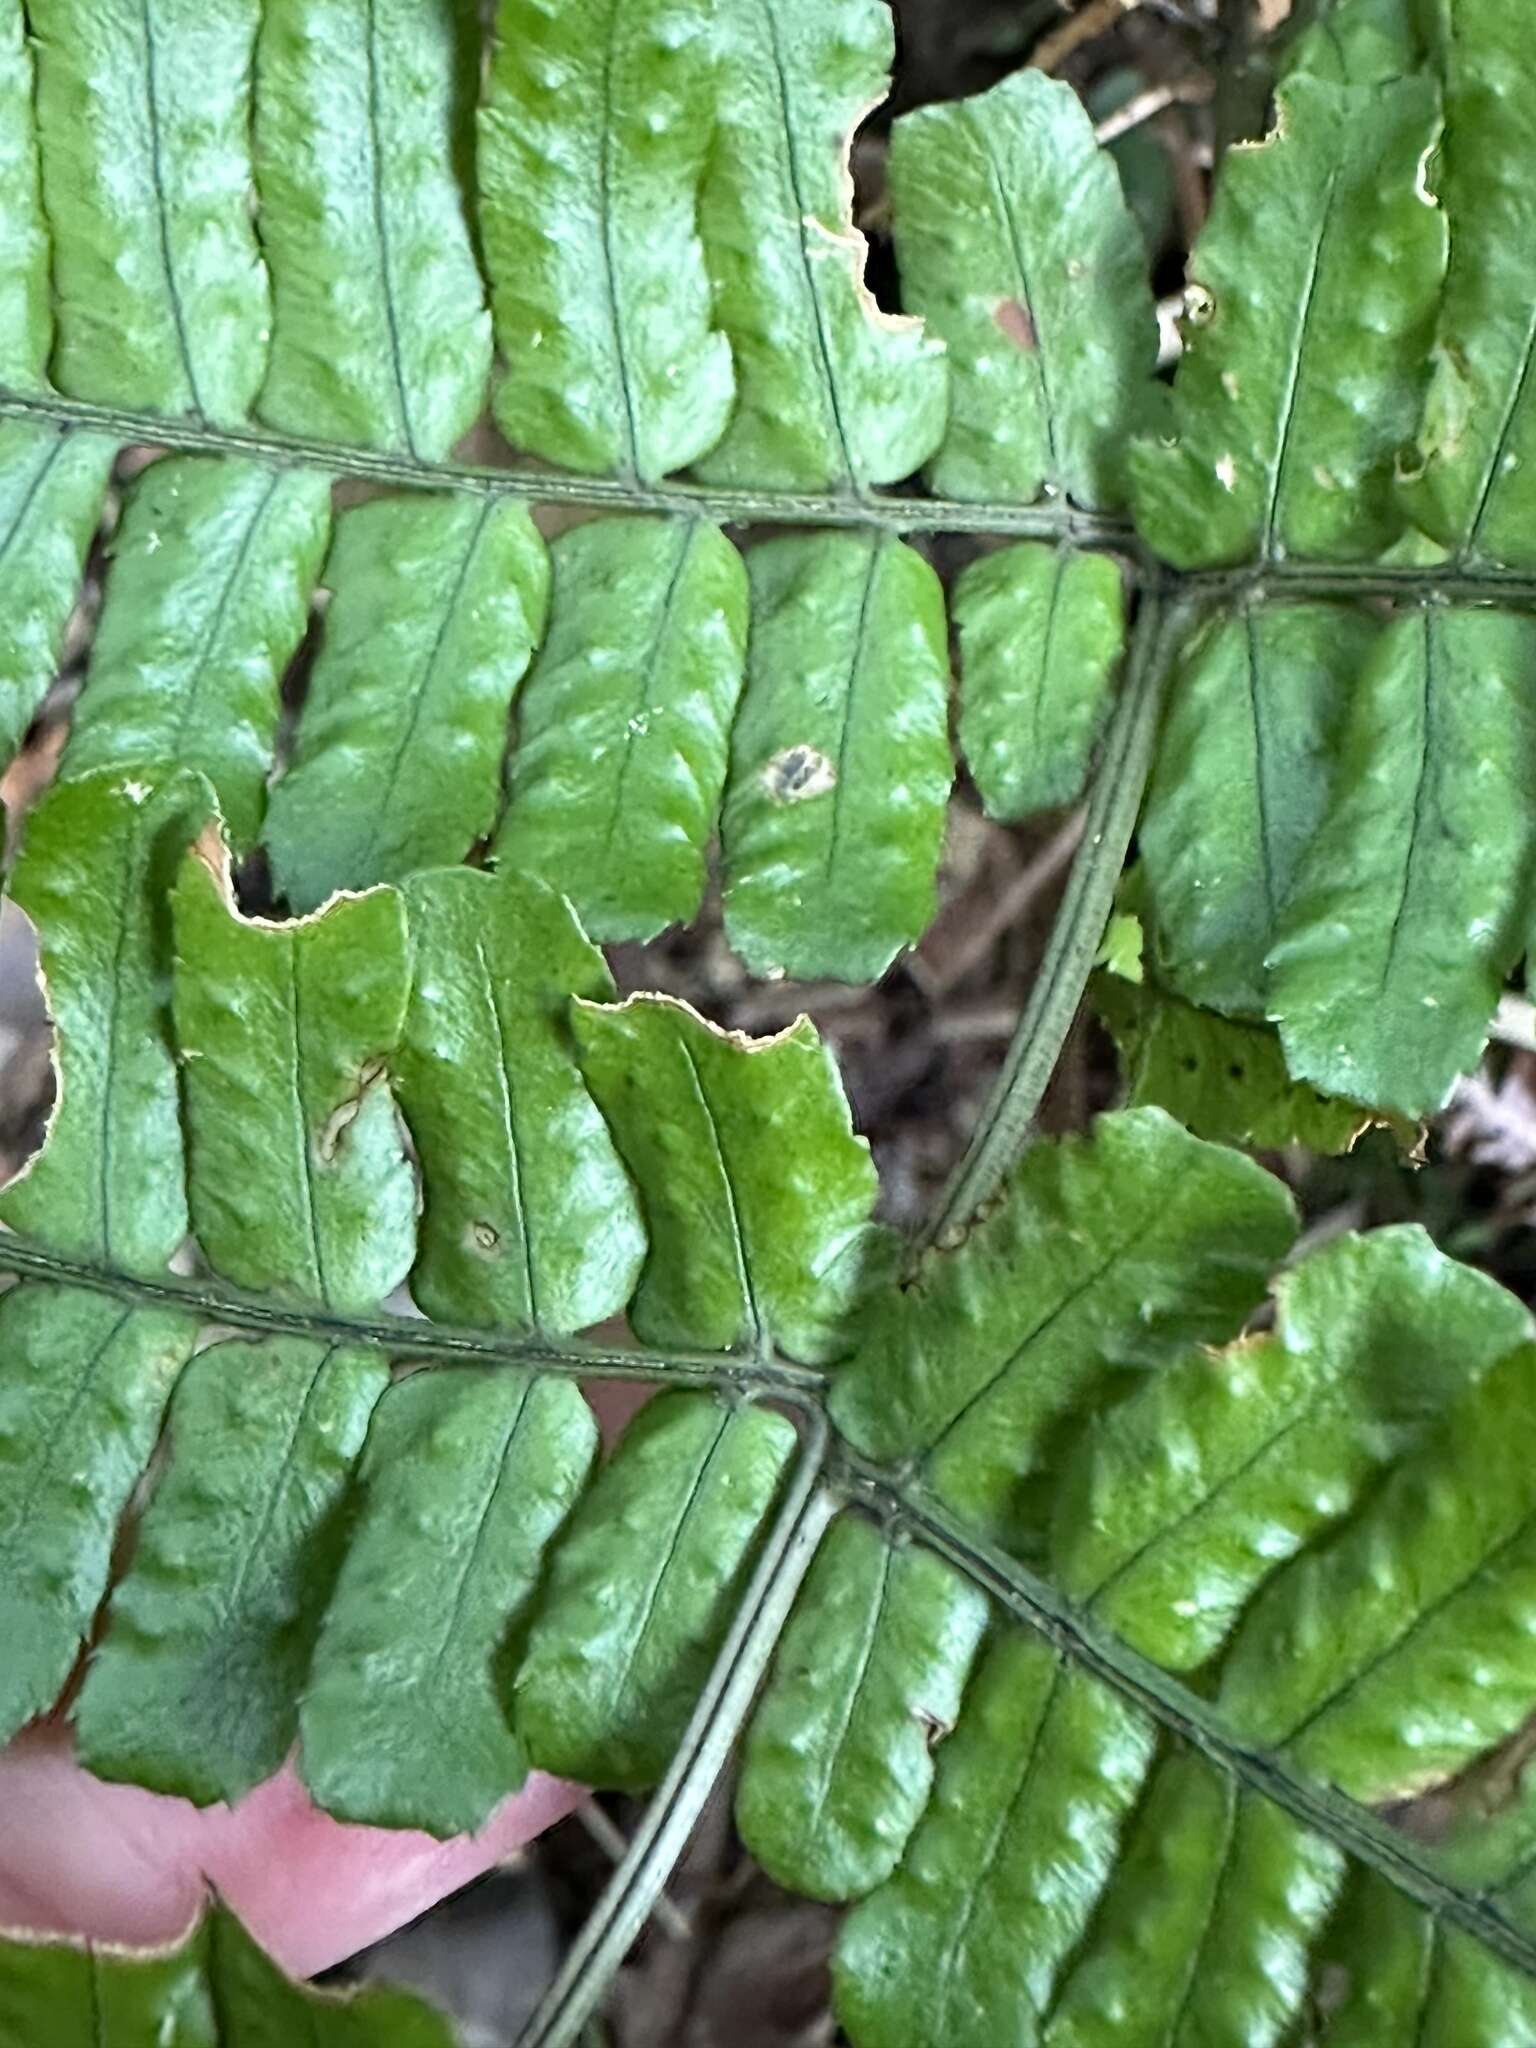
x=160, y=293
x=26, y=311
x=1017, y=247
x=1408, y=906
x=83, y=1385
x=1396, y=1654
x=1109, y=1255
x=623, y=727
x=297, y=1178
x=594, y=134
x=639, y=1594
x=1476, y=444
x=1323, y=250
x=997, y=1885
x=51, y=488
x=216, y=563
x=468, y=1477
x=98, y=860
x=379, y=328
x=756, y=1193
x=1222, y=1078
x=1242, y=784
x=831, y=393
x=437, y=605
x=1176, y=1505
x=213, y=1990
x=534, y=1226
x=839, y=1763
x=211, y=1631
x=1041, y=632
x=840, y=763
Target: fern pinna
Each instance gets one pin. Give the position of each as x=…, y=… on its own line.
x=1092, y=1579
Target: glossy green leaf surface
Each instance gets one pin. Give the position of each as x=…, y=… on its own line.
x=299, y=1183
x=467, y=1477
x=623, y=726
x=755, y=1192
x=437, y=604
x=1478, y=437
x=1204, y=1930
x=594, y=132
x=26, y=311
x=1017, y=247
x=831, y=392
x=639, y=1594
x=97, y=860
x=1408, y=905
x=215, y=1989
x=83, y=1384
x=1402, y=1650
x=1244, y=772
x=1110, y=1253
x=1041, y=633
x=998, y=1884
x=195, y=1689
x=51, y=489
x=1404, y=1976
x=1312, y=296
x=144, y=119
x=866, y=1683
x=534, y=1224
x=214, y=567
x=840, y=763
x=379, y=329
x=1178, y=1503
x=1223, y=1078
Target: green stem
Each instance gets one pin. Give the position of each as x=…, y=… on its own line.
x=1008, y=1118
x=722, y=1707
x=411, y=1337
x=1053, y=522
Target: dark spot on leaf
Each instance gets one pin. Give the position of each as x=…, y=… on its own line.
x=1017, y=322
x=1236, y=1071
x=796, y=773
x=1190, y=1064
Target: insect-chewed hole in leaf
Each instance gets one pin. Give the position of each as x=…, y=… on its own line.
x=344, y=1112
x=28, y=1077
x=1017, y=322
x=796, y=773
x=1199, y=305
x=484, y=1238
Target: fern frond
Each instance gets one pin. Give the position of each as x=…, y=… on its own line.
x=1041, y=634
x=623, y=727
x=215, y=564
x=1311, y=307
x=1017, y=247
x=840, y=763
x=436, y=607
x=216, y=1986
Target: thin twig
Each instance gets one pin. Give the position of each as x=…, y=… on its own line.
x=1182, y=92
x=1096, y=19
x=614, y=1843
x=1008, y=910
